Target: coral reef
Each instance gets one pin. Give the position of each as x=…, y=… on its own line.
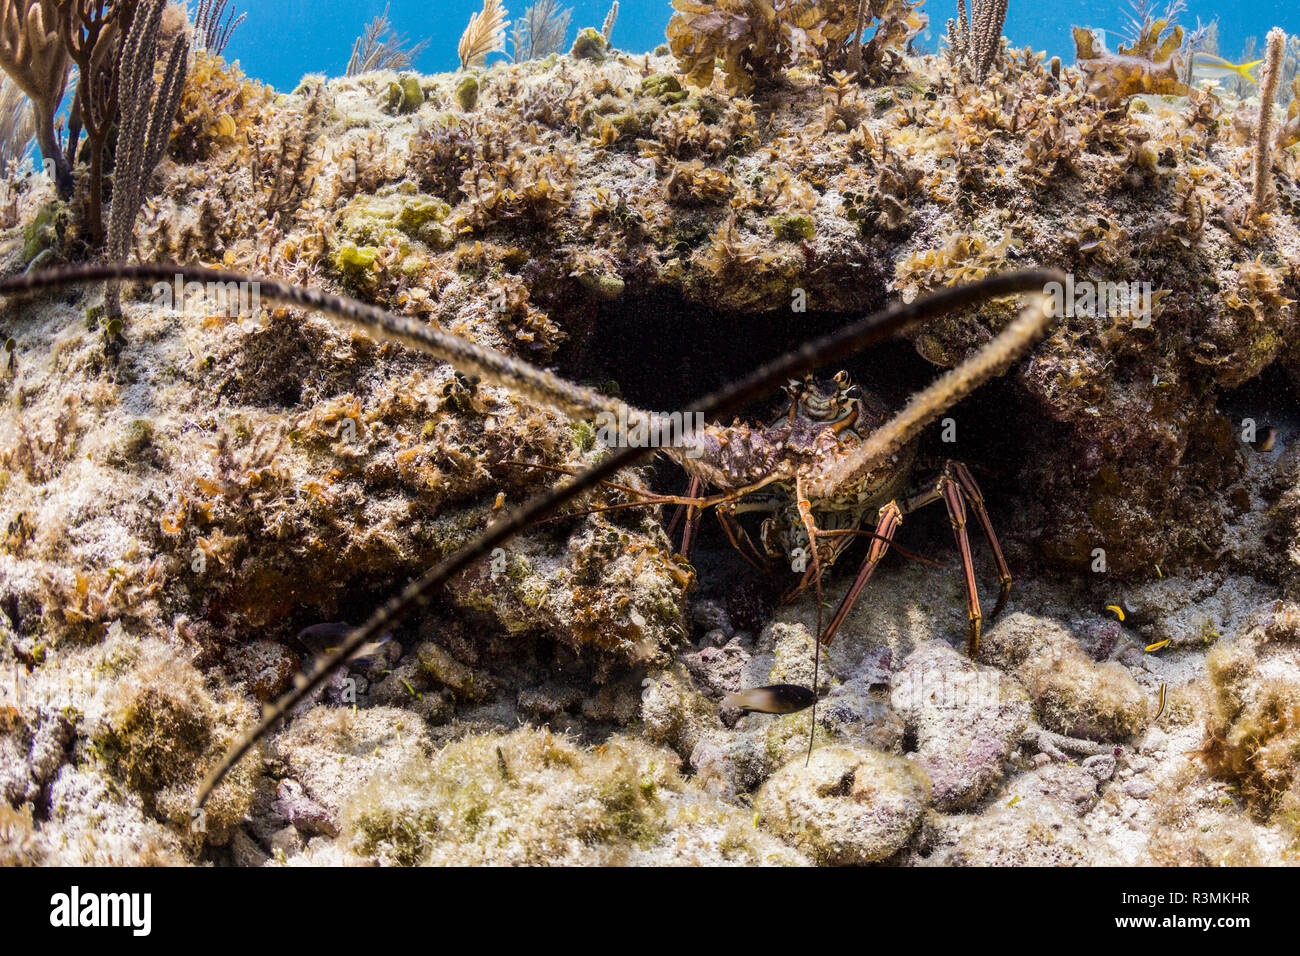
x=178, y=508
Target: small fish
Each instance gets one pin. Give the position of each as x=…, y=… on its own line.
x=323, y=639
x=1266, y=440
x=1151, y=648
x=1207, y=66
x=1119, y=611
x=774, y=699
x=1163, y=700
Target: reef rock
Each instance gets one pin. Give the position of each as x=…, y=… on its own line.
x=847, y=806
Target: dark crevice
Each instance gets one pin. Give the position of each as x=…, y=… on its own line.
x=1271, y=399
x=665, y=352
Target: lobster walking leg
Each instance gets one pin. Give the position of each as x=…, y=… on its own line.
x=975, y=498
x=804, y=507
x=954, y=497
x=890, y=517
x=692, y=515
x=740, y=539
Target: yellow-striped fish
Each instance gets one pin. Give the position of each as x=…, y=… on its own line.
x=1119, y=611
x=1207, y=66
x=1163, y=700
x=1151, y=648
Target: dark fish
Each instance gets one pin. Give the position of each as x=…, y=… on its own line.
x=774, y=699
x=323, y=639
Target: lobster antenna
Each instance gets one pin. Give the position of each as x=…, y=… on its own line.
x=949, y=389
x=817, y=656
x=728, y=401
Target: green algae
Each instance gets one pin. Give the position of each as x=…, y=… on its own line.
x=404, y=95
x=467, y=91
x=792, y=228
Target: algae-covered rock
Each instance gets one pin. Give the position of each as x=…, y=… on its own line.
x=675, y=712
x=467, y=92
x=1252, y=733
x=966, y=721
x=663, y=86
x=608, y=288
x=440, y=665
x=847, y=806
x=530, y=798
x=404, y=95
x=355, y=261
x=590, y=45
x=1072, y=694
x=1042, y=834
x=45, y=231
x=31, y=751
x=792, y=228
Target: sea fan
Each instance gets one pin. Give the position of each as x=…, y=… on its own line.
x=541, y=31
x=1143, y=13
x=485, y=34
x=17, y=123
x=381, y=48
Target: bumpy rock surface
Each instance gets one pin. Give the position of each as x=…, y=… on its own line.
x=847, y=806
x=966, y=721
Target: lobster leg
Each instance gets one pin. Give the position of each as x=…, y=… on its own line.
x=887, y=523
x=955, y=498
x=740, y=539
x=975, y=498
x=692, y=524
x=692, y=491
x=804, y=506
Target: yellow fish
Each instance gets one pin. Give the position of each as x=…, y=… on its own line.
x=1157, y=645
x=1163, y=700
x=1211, y=67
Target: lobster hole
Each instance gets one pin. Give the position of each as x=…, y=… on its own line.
x=1269, y=400
x=664, y=352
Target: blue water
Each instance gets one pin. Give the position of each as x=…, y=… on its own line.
x=284, y=39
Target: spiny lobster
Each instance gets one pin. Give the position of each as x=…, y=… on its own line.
x=832, y=453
